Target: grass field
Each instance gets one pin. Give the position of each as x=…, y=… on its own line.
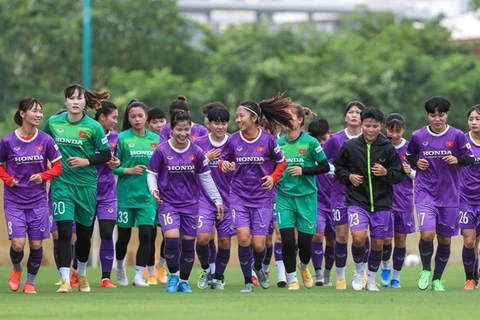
x=274, y=303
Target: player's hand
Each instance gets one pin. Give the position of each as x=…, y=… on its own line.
x=407, y=168
x=295, y=171
x=228, y=166
x=114, y=162
x=450, y=159
x=268, y=184
x=422, y=164
x=378, y=170
x=220, y=211
x=213, y=154
x=14, y=183
x=355, y=179
x=156, y=196
x=137, y=170
x=36, y=178
x=76, y=162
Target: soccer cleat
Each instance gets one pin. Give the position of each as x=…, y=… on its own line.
x=161, y=274
x=327, y=282
x=268, y=276
x=122, y=279
x=357, y=282
x=184, y=287
x=319, y=280
x=210, y=278
x=385, y=277
x=83, y=285
x=14, y=281
x=281, y=284
x=152, y=281
x=107, y=283
x=73, y=279
x=424, y=280
x=341, y=284
x=65, y=287
x=371, y=286
x=59, y=282
x=293, y=286
x=202, y=282
x=364, y=280
x=470, y=284
x=262, y=278
x=437, y=285
x=172, y=284
x=29, y=288
x=395, y=284
x=139, y=283
x=306, y=277
x=217, y=285
x=254, y=279
x=247, y=288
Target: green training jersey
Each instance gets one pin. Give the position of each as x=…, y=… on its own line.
x=77, y=139
x=305, y=151
x=132, y=150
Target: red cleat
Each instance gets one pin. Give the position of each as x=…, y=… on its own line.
x=73, y=279
x=14, y=281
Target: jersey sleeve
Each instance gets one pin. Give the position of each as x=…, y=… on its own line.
x=53, y=153
x=318, y=153
x=328, y=149
x=413, y=147
x=275, y=151
x=46, y=129
x=100, y=141
x=3, y=151
x=464, y=147
x=341, y=163
x=164, y=134
x=227, y=151
x=155, y=162
x=202, y=162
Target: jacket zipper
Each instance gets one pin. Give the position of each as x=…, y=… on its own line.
x=370, y=188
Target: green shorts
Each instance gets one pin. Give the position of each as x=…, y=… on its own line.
x=71, y=202
x=134, y=217
x=299, y=212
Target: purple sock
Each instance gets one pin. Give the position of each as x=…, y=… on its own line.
x=34, y=260
x=268, y=255
x=258, y=258
x=317, y=255
x=374, y=260
x=187, y=258
x=468, y=258
x=399, y=257
x=106, y=258
x=172, y=254
x=340, y=255
x=358, y=253
x=387, y=252
x=367, y=250
x=245, y=258
x=213, y=251
x=329, y=257
x=55, y=251
x=203, y=253
x=223, y=256
x=278, y=251
x=16, y=258
x=441, y=259
x=426, y=253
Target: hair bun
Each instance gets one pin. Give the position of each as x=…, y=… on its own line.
x=183, y=98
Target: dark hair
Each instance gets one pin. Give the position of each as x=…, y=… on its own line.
x=132, y=104
x=24, y=105
x=63, y=110
x=179, y=104
x=318, y=128
x=93, y=99
x=302, y=112
x=441, y=104
x=218, y=114
x=474, y=108
x=275, y=110
x=394, y=120
x=352, y=104
x=209, y=106
x=178, y=117
x=155, y=113
x=106, y=108
x=372, y=113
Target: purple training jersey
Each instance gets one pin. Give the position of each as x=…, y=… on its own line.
x=196, y=131
x=253, y=160
x=324, y=185
x=177, y=171
x=106, y=188
x=222, y=180
x=470, y=185
x=438, y=185
x=23, y=158
x=403, y=191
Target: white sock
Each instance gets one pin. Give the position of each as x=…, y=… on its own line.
x=365, y=267
x=359, y=267
x=182, y=280
x=82, y=268
x=151, y=271
x=341, y=273
x=65, y=274
x=280, y=270
x=396, y=274
x=292, y=277
x=319, y=274
x=303, y=266
x=265, y=267
x=139, y=271
x=161, y=262
x=121, y=264
x=30, y=278
x=386, y=265
x=212, y=267
x=371, y=276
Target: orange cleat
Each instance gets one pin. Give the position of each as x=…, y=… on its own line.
x=470, y=285
x=107, y=283
x=255, y=280
x=73, y=279
x=14, y=281
x=29, y=288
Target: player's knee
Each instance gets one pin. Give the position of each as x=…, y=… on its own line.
x=203, y=239
x=35, y=244
x=224, y=243
x=18, y=245
x=318, y=237
x=144, y=234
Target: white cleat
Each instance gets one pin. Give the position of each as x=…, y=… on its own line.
x=122, y=279
x=139, y=283
x=371, y=287
x=357, y=282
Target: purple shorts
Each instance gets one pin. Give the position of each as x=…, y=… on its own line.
x=469, y=217
x=443, y=220
x=33, y=222
x=402, y=223
x=325, y=223
x=172, y=219
x=207, y=220
x=107, y=209
x=257, y=219
x=339, y=213
x=360, y=219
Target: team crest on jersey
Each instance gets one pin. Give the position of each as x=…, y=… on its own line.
x=261, y=149
x=449, y=144
x=403, y=157
x=82, y=134
x=113, y=145
x=153, y=145
x=192, y=158
x=302, y=151
x=39, y=148
x=193, y=138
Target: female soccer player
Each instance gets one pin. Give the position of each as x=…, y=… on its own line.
x=258, y=163
x=368, y=166
x=24, y=157
x=437, y=150
x=136, y=207
x=403, y=221
x=106, y=212
x=469, y=206
x=174, y=173
x=296, y=200
x=74, y=193
x=337, y=196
